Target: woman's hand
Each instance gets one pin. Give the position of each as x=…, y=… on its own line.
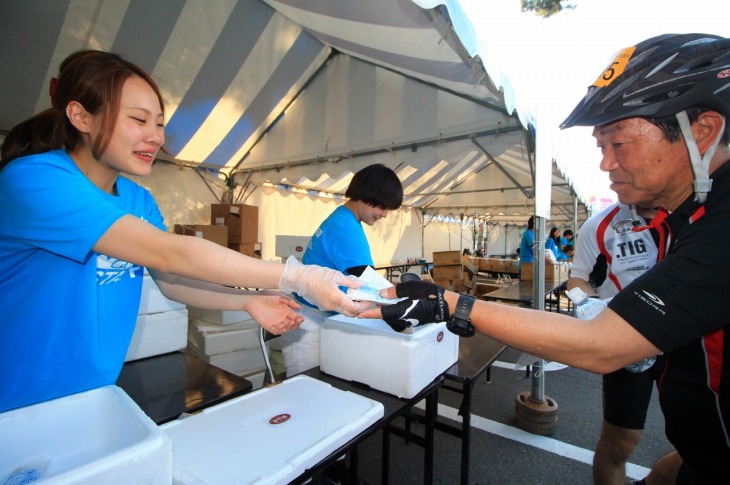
x=274, y=312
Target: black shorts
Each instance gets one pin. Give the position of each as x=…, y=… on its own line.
x=626, y=396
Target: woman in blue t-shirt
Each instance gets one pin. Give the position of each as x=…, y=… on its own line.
x=75, y=235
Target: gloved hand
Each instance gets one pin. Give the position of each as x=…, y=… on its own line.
x=319, y=286
x=425, y=304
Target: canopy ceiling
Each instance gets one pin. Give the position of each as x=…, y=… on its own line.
x=299, y=94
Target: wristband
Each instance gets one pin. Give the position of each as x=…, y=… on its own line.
x=460, y=322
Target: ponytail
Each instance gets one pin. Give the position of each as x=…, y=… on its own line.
x=48, y=130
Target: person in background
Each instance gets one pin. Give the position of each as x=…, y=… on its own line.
x=566, y=239
x=569, y=251
x=527, y=241
x=659, y=114
x=340, y=243
x=611, y=254
x=76, y=235
x=553, y=244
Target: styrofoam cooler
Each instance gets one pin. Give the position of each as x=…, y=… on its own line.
x=370, y=352
x=97, y=436
x=212, y=339
x=268, y=436
x=219, y=317
x=153, y=301
x=158, y=333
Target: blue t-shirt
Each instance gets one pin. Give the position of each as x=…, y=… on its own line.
x=526, y=243
x=67, y=314
x=339, y=243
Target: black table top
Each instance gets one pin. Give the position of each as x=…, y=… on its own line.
x=166, y=386
x=476, y=354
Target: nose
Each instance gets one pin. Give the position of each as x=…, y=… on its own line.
x=608, y=161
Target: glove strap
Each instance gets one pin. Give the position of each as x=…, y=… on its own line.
x=460, y=322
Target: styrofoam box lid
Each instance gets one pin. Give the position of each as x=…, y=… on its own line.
x=152, y=300
x=97, y=436
x=219, y=317
x=213, y=339
x=271, y=435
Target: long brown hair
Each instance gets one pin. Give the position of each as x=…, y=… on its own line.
x=92, y=78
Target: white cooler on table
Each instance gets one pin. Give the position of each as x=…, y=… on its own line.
x=370, y=352
x=268, y=436
x=98, y=436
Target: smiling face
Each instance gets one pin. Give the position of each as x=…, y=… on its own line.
x=644, y=168
x=138, y=133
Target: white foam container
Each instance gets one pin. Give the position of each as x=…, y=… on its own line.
x=370, y=352
x=153, y=301
x=268, y=436
x=239, y=362
x=219, y=317
x=158, y=333
x=97, y=436
x=213, y=339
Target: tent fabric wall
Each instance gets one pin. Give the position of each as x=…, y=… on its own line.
x=298, y=94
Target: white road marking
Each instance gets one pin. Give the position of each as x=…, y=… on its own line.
x=544, y=443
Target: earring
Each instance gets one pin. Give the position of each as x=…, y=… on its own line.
x=68, y=115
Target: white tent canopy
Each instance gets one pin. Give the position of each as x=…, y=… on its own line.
x=269, y=94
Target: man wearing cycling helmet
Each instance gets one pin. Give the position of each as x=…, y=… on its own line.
x=659, y=114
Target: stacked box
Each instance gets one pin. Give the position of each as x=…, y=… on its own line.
x=217, y=234
x=241, y=220
x=249, y=249
x=229, y=340
x=161, y=325
x=447, y=270
x=553, y=272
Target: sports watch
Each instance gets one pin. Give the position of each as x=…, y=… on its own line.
x=460, y=322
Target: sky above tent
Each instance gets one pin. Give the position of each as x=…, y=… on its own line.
x=550, y=62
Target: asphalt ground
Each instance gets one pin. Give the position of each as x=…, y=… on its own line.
x=501, y=453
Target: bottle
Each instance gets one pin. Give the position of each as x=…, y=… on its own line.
x=586, y=308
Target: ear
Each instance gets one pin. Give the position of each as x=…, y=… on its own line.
x=708, y=127
x=78, y=116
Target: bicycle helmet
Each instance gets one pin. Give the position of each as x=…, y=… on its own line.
x=660, y=77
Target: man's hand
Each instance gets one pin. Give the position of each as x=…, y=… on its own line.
x=425, y=304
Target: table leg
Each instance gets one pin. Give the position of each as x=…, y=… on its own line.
x=465, y=412
x=385, y=471
x=431, y=414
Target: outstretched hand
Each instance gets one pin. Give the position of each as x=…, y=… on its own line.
x=425, y=304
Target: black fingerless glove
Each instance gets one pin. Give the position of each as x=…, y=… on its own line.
x=427, y=306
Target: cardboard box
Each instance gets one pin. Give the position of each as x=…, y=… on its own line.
x=242, y=221
x=97, y=436
x=249, y=249
x=553, y=272
x=370, y=352
x=446, y=257
x=217, y=234
x=271, y=435
x=451, y=272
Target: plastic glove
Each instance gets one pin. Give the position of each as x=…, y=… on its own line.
x=319, y=286
x=429, y=306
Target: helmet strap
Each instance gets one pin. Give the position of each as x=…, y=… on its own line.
x=700, y=164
